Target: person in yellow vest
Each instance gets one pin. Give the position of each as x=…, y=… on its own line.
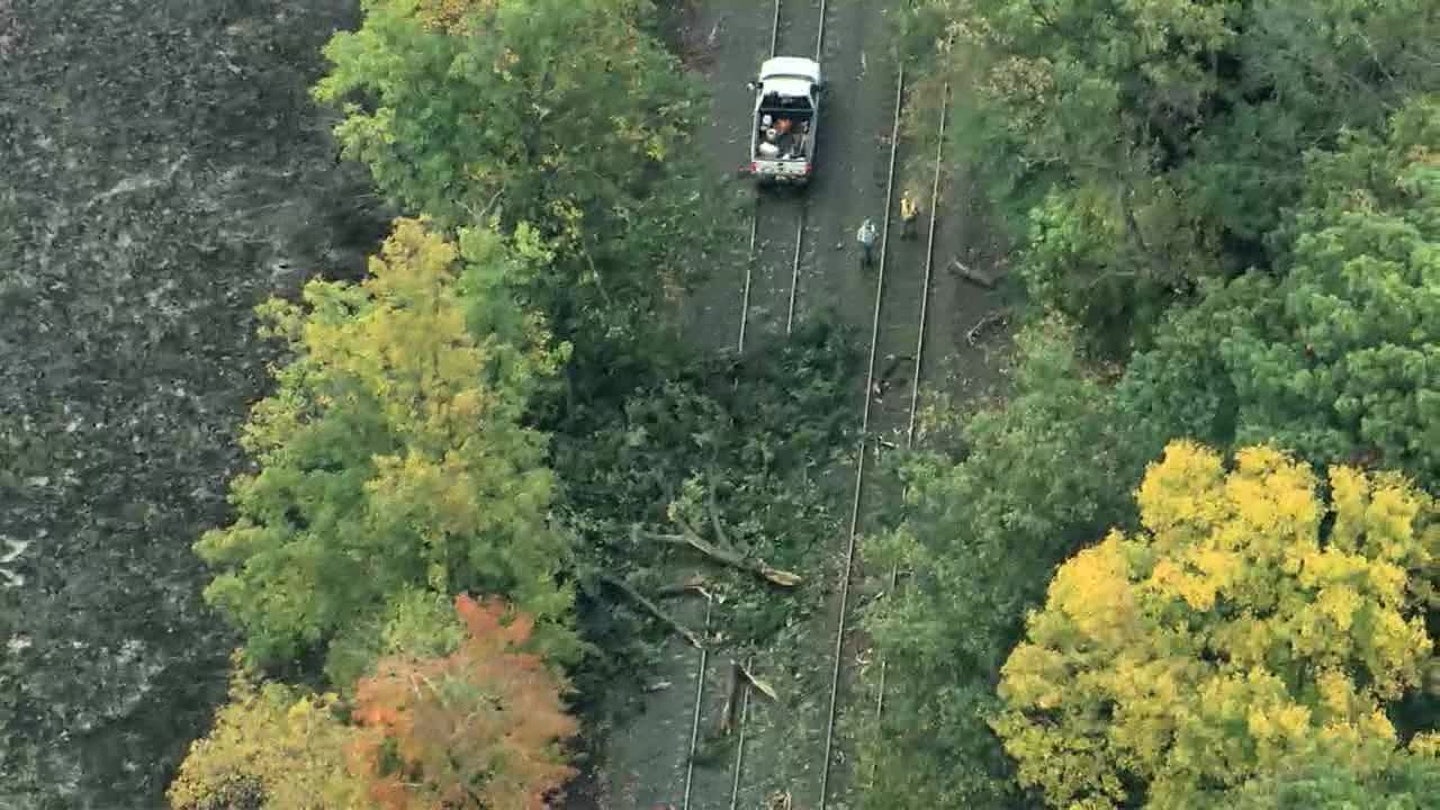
x=909, y=212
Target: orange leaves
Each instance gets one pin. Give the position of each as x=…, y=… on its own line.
x=480, y=728
x=1229, y=636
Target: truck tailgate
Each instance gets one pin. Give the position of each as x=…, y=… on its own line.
x=781, y=168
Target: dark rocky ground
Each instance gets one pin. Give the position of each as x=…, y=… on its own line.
x=161, y=171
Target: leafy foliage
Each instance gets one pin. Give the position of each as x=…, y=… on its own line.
x=1166, y=134
x=271, y=747
x=1339, y=358
x=476, y=729
x=1246, y=622
x=989, y=513
x=471, y=110
x=391, y=458
x=743, y=440
x=1384, y=782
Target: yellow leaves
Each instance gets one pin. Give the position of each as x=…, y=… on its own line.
x=1181, y=492
x=453, y=16
x=1228, y=635
x=1426, y=743
x=1092, y=591
x=271, y=747
x=1198, y=576
x=1034, y=676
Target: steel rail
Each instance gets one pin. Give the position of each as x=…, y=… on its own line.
x=704, y=658
x=848, y=571
x=695, y=719
x=919, y=351
x=740, y=347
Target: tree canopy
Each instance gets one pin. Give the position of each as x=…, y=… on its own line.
x=1385, y=781
x=1160, y=143
x=271, y=747
x=391, y=457
x=480, y=728
x=988, y=514
x=1247, y=620
x=468, y=111
x=1338, y=357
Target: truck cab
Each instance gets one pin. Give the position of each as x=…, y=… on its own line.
x=787, y=109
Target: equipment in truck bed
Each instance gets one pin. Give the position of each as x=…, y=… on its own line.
x=787, y=106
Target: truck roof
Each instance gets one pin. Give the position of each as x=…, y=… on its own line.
x=783, y=74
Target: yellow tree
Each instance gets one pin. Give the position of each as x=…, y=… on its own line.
x=271, y=747
x=1246, y=624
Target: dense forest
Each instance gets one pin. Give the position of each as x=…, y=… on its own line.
x=1224, y=218
x=357, y=468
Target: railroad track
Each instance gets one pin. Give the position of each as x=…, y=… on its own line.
x=880, y=335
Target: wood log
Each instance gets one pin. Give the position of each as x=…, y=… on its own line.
x=654, y=610
x=771, y=574
x=734, y=686
x=972, y=275
x=997, y=318
x=694, y=584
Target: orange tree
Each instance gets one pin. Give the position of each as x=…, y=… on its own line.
x=482, y=727
x=1246, y=624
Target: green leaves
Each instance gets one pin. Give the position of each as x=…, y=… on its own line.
x=1170, y=133
x=985, y=523
x=501, y=113
x=1340, y=358
x=390, y=459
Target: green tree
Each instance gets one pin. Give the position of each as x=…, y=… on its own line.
x=1387, y=781
x=1247, y=622
x=392, y=457
x=503, y=108
x=1338, y=358
x=1167, y=134
x=989, y=513
x=272, y=748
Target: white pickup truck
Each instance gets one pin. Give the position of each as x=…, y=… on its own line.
x=787, y=105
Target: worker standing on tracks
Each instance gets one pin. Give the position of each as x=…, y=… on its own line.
x=909, y=212
x=866, y=237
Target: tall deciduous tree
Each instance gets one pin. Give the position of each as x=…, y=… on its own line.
x=1168, y=134
x=989, y=515
x=1247, y=622
x=565, y=114
x=481, y=728
x=1339, y=358
x=272, y=747
x=392, y=457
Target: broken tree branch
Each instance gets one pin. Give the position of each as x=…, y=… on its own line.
x=694, y=584
x=766, y=689
x=997, y=318
x=654, y=610
x=775, y=576
x=972, y=275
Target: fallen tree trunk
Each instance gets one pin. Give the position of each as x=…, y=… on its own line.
x=762, y=569
x=994, y=319
x=653, y=609
x=695, y=584
x=972, y=275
